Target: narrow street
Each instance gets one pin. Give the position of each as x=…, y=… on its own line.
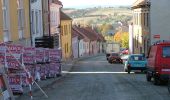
x=95, y=79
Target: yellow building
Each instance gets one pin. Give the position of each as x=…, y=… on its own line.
x=16, y=21
x=66, y=36
x=141, y=25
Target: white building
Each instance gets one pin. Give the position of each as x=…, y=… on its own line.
x=160, y=20
x=36, y=20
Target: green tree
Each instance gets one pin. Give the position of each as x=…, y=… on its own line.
x=105, y=28
x=125, y=40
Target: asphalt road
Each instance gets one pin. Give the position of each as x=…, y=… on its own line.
x=95, y=79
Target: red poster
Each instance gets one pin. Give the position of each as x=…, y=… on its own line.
x=14, y=56
x=55, y=55
x=29, y=55
x=15, y=82
x=40, y=54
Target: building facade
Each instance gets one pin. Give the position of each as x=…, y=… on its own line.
x=160, y=16
x=55, y=8
x=16, y=21
x=141, y=26
x=36, y=19
x=77, y=42
x=66, y=36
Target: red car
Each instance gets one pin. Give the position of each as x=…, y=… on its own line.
x=115, y=58
x=158, y=66
x=125, y=51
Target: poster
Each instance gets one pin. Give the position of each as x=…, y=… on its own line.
x=29, y=55
x=15, y=82
x=14, y=56
x=55, y=55
x=40, y=54
x=46, y=55
x=55, y=68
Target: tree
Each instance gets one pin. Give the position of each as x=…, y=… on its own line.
x=105, y=28
x=125, y=40
x=117, y=37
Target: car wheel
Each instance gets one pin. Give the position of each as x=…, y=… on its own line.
x=169, y=86
x=125, y=70
x=156, y=80
x=148, y=77
x=128, y=71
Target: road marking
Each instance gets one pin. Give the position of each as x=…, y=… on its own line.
x=95, y=72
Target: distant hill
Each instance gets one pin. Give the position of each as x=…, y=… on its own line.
x=99, y=15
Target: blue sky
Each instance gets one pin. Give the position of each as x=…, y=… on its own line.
x=94, y=3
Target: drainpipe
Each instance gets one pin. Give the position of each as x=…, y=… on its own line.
x=30, y=22
x=89, y=46
x=49, y=18
x=78, y=47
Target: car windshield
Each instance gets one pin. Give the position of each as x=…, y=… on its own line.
x=137, y=58
x=165, y=51
x=115, y=54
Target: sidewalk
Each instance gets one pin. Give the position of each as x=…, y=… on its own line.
x=66, y=66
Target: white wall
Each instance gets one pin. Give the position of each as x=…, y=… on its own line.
x=81, y=48
x=160, y=19
x=75, y=48
x=37, y=28
x=131, y=38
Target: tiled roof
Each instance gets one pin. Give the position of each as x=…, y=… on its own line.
x=88, y=36
x=140, y=3
x=98, y=36
x=57, y=2
x=64, y=16
x=76, y=33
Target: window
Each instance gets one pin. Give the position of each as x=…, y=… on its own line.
x=20, y=12
x=147, y=15
x=165, y=52
x=32, y=1
x=137, y=58
x=144, y=23
x=40, y=21
x=136, y=18
x=37, y=22
x=4, y=8
x=65, y=46
x=5, y=20
x=139, y=18
x=33, y=20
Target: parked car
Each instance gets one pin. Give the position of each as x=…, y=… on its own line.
x=114, y=58
x=124, y=58
x=158, y=66
x=125, y=52
x=169, y=85
x=107, y=55
x=135, y=62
